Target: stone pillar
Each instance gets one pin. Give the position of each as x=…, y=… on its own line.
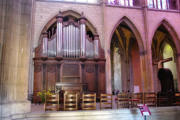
x=15, y=58
x=148, y=81
x=178, y=5
x=178, y=70
x=83, y=36
x=59, y=33
x=96, y=46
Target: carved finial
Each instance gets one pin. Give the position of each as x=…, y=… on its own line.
x=59, y=17
x=60, y=14
x=82, y=19
x=82, y=14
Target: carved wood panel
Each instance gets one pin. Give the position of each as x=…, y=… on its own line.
x=51, y=76
x=90, y=77
x=38, y=77
x=101, y=78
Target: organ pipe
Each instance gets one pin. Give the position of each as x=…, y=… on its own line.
x=82, y=36
x=96, y=46
x=45, y=43
x=59, y=35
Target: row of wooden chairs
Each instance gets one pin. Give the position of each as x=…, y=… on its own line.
x=150, y=99
x=72, y=100
x=132, y=100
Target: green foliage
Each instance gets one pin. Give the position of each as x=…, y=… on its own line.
x=43, y=95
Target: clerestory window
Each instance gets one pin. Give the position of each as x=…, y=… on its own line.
x=161, y=4
x=78, y=1
x=124, y=2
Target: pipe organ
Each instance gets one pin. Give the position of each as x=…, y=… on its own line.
x=68, y=54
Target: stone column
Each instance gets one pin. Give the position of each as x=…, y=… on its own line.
x=148, y=81
x=15, y=58
x=178, y=70
x=178, y=5
x=59, y=33
x=83, y=36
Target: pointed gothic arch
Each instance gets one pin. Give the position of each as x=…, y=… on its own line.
x=134, y=30
x=67, y=13
x=171, y=31
x=158, y=45
x=127, y=58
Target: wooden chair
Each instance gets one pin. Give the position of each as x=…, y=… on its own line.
x=89, y=101
x=106, y=101
x=52, y=102
x=70, y=101
x=177, y=99
x=136, y=98
x=123, y=100
x=150, y=99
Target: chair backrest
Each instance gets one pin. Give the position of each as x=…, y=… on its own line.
x=52, y=102
x=106, y=101
x=123, y=100
x=136, y=98
x=150, y=99
x=89, y=101
x=70, y=101
x=177, y=98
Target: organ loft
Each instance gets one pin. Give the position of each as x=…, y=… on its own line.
x=69, y=55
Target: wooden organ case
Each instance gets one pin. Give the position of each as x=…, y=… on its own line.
x=67, y=54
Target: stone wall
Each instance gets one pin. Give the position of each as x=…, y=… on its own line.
x=105, y=19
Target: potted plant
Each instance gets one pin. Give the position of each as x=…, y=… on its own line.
x=42, y=94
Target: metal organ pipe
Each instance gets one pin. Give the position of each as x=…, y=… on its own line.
x=67, y=41
x=71, y=40
x=45, y=44
x=59, y=35
x=82, y=36
x=64, y=41
x=96, y=46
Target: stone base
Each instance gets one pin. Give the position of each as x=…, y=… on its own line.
x=8, y=110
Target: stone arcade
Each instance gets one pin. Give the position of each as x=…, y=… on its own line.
x=98, y=46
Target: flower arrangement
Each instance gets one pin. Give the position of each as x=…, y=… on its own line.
x=43, y=94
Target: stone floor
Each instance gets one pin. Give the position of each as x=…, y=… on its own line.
x=158, y=113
